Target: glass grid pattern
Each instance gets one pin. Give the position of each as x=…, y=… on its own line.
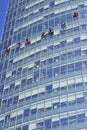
x=43, y=85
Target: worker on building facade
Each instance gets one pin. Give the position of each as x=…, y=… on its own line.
x=1, y=56
x=44, y=35
x=75, y=14
x=7, y=49
x=63, y=26
x=51, y=31
x=19, y=43
x=28, y=41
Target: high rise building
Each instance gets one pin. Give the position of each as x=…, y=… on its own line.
x=43, y=65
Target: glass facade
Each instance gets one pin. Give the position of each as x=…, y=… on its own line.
x=43, y=64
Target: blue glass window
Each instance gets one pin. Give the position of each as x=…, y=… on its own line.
x=9, y=102
x=83, y=26
x=69, y=16
x=18, y=128
x=72, y=117
x=81, y=6
x=23, y=81
x=29, y=31
x=29, y=81
x=40, y=124
x=28, y=99
x=76, y=40
x=48, y=123
x=49, y=88
x=43, y=72
x=37, y=55
x=37, y=63
x=64, y=121
x=73, y=102
x=3, y=76
x=1, y=66
x=13, y=119
x=84, y=51
x=56, y=70
x=4, y=102
x=42, y=94
x=51, y=23
x=36, y=76
x=25, y=127
x=56, y=59
x=63, y=43
x=49, y=72
x=70, y=67
x=56, y=105
x=63, y=18
x=50, y=48
x=63, y=104
x=11, y=87
x=43, y=62
x=64, y=90
x=77, y=52
x=85, y=63
x=81, y=117
x=56, y=21
x=1, y=89
x=51, y=15
x=50, y=60
x=51, y=3
x=49, y=108
x=46, y=23
x=15, y=99
x=41, y=10
x=39, y=27
x=41, y=110
x=76, y=29
x=82, y=14
x=30, y=69
x=19, y=117
x=17, y=87
x=33, y=111
x=6, y=91
x=34, y=97
x=7, y=118
x=78, y=66
x=1, y=123
x=63, y=69
x=34, y=30
x=80, y=100
x=55, y=124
